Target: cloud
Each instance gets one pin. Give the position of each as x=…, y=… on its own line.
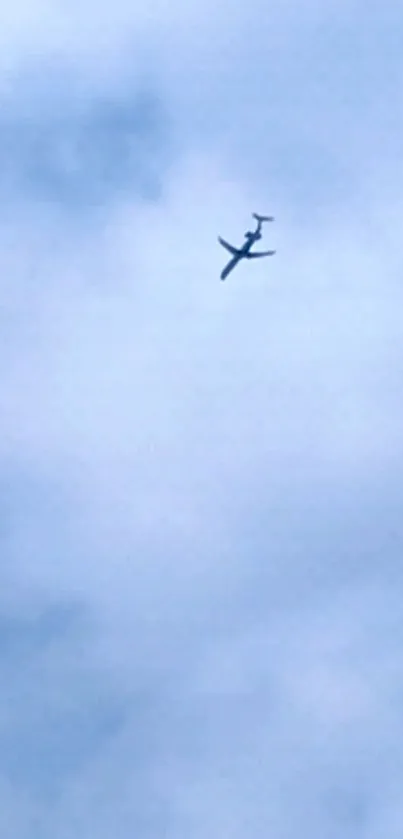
x=200, y=490
x=64, y=147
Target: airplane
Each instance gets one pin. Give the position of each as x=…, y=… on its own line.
x=244, y=252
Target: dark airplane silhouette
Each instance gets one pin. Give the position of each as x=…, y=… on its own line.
x=244, y=252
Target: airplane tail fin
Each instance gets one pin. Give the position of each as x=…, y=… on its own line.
x=262, y=218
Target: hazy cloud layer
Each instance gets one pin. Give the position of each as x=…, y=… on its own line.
x=200, y=494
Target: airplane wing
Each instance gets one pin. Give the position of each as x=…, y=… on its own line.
x=229, y=248
x=259, y=253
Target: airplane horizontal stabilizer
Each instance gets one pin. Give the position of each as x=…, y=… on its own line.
x=262, y=218
x=229, y=247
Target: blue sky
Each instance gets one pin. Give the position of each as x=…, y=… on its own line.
x=201, y=483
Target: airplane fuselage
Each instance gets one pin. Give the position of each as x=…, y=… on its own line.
x=251, y=238
x=242, y=252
